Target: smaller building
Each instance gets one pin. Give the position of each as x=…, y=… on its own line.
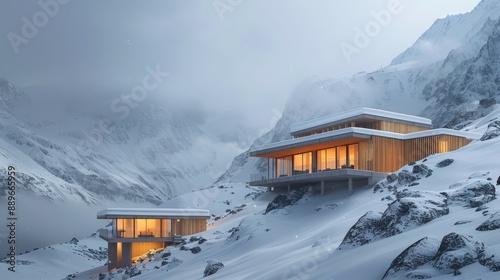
x=135, y=231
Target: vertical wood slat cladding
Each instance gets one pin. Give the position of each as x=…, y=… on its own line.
x=192, y=226
x=399, y=127
x=381, y=154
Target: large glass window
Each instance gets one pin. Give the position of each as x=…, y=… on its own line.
x=345, y=156
x=124, y=228
x=302, y=163
x=147, y=227
x=327, y=159
x=353, y=156
x=284, y=166
x=342, y=156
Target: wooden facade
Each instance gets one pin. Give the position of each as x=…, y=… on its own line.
x=188, y=226
x=389, y=126
x=381, y=154
x=367, y=139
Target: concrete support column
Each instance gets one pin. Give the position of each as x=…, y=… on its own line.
x=126, y=254
x=112, y=256
x=269, y=189
x=322, y=188
x=349, y=184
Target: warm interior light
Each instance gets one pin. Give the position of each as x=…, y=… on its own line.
x=178, y=220
x=443, y=146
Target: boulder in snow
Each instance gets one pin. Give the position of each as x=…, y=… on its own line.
x=457, y=251
x=392, y=177
x=195, y=250
x=364, y=231
x=491, y=224
x=445, y=162
x=410, y=209
x=212, y=267
x=419, y=253
x=493, y=131
x=471, y=193
x=281, y=201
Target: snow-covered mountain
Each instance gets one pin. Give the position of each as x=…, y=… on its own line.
x=151, y=155
x=450, y=74
x=71, y=150
x=428, y=224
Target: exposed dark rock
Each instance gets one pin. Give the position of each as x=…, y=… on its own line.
x=195, y=250
x=487, y=102
x=481, y=208
x=194, y=238
x=132, y=271
x=378, y=187
x=202, y=240
x=392, y=177
x=457, y=223
x=481, y=200
x=473, y=193
x=363, y=231
x=489, y=260
x=491, y=224
x=212, y=267
x=281, y=201
x=457, y=251
x=493, y=131
x=74, y=241
x=409, y=210
x=498, y=181
x=445, y=162
x=405, y=177
x=447, y=255
x=419, y=253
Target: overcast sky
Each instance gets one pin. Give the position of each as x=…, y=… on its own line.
x=226, y=58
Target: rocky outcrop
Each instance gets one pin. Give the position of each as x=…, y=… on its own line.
x=281, y=201
x=457, y=251
x=431, y=257
x=418, y=254
x=367, y=229
x=472, y=193
x=493, y=131
x=410, y=209
x=212, y=267
x=492, y=223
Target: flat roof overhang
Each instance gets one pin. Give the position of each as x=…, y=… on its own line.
x=152, y=213
x=309, y=145
x=345, y=136
x=363, y=115
x=336, y=175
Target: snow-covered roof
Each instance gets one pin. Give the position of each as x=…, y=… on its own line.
x=356, y=132
x=111, y=213
x=360, y=113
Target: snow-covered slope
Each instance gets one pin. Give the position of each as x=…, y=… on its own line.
x=306, y=240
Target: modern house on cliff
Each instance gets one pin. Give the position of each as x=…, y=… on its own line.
x=135, y=231
x=354, y=147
